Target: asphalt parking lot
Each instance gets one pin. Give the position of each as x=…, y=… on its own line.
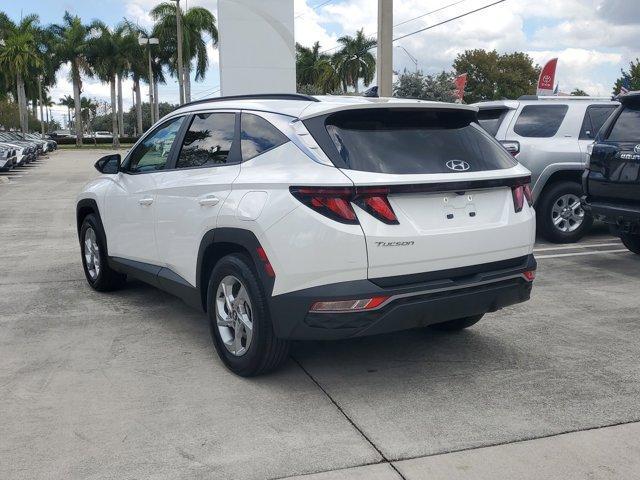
x=127, y=385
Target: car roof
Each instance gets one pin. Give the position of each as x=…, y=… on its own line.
x=535, y=100
x=303, y=106
x=631, y=97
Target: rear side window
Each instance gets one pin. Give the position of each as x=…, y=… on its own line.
x=627, y=126
x=258, y=136
x=491, y=119
x=208, y=141
x=404, y=141
x=540, y=121
x=594, y=118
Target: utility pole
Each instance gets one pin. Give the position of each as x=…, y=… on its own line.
x=385, y=48
x=180, y=66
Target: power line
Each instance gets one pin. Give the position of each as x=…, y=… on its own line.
x=316, y=7
x=431, y=12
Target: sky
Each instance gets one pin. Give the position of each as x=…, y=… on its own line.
x=593, y=39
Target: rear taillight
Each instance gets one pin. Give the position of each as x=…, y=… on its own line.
x=374, y=201
x=520, y=194
x=511, y=146
x=335, y=202
x=346, y=306
x=332, y=202
x=530, y=275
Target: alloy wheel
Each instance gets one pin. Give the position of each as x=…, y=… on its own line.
x=91, y=253
x=234, y=315
x=567, y=213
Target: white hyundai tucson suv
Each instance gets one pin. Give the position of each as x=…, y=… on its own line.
x=289, y=217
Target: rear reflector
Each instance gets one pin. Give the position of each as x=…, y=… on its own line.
x=346, y=306
x=530, y=275
x=265, y=262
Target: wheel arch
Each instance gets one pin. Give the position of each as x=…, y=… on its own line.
x=557, y=173
x=219, y=242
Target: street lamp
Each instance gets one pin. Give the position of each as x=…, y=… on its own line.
x=142, y=40
x=180, y=66
x=413, y=59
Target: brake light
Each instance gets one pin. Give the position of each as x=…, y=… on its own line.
x=332, y=202
x=520, y=194
x=345, y=306
x=375, y=202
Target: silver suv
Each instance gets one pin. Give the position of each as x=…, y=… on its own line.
x=550, y=136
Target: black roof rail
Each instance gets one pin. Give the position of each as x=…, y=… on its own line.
x=256, y=96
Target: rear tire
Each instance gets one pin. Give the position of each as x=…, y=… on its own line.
x=632, y=242
x=457, y=324
x=557, y=200
x=94, y=257
x=240, y=320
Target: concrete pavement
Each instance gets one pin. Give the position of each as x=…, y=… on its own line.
x=127, y=385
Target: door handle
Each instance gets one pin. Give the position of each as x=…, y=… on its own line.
x=145, y=201
x=209, y=201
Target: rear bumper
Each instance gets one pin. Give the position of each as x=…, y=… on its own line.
x=623, y=217
x=410, y=306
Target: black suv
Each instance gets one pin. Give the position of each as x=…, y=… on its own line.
x=611, y=181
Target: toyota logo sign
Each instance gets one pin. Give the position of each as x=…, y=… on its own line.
x=458, y=165
x=636, y=149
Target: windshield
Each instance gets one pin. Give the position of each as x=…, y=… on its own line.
x=404, y=141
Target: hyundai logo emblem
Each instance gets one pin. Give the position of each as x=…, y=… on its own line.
x=458, y=165
x=636, y=149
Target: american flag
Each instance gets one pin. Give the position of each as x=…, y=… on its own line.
x=626, y=85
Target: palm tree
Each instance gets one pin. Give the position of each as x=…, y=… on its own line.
x=18, y=56
x=137, y=64
x=72, y=39
x=196, y=22
x=103, y=54
x=67, y=101
x=314, y=69
x=47, y=103
x=354, y=61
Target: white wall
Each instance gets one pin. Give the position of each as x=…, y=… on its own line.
x=257, y=46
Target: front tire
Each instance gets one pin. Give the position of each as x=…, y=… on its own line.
x=94, y=257
x=560, y=214
x=457, y=324
x=632, y=242
x=240, y=320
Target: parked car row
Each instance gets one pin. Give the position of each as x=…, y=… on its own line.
x=18, y=148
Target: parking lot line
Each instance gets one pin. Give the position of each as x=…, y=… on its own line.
x=571, y=247
x=578, y=254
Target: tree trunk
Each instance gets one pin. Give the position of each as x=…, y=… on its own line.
x=41, y=106
x=34, y=108
x=76, y=99
x=156, y=101
x=22, y=104
x=187, y=81
x=138, y=105
x=114, y=113
x=47, y=110
x=120, y=112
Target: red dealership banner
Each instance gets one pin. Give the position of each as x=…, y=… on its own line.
x=460, y=82
x=547, y=79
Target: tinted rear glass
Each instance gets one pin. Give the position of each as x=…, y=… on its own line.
x=540, y=121
x=594, y=118
x=403, y=141
x=491, y=119
x=627, y=126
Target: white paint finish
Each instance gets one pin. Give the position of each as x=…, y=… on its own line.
x=129, y=225
x=185, y=212
x=251, y=205
x=257, y=46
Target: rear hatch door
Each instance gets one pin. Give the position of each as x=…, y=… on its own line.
x=448, y=183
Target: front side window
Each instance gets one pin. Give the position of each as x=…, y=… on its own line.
x=209, y=141
x=152, y=153
x=408, y=141
x=258, y=135
x=540, y=121
x=627, y=126
x=594, y=118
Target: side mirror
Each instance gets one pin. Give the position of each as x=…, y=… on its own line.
x=109, y=164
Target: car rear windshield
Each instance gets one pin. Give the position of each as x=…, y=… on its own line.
x=410, y=141
x=627, y=126
x=491, y=118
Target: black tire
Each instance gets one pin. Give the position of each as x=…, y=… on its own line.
x=106, y=279
x=544, y=212
x=457, y=324
x=266, y=352
x=632, y=242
